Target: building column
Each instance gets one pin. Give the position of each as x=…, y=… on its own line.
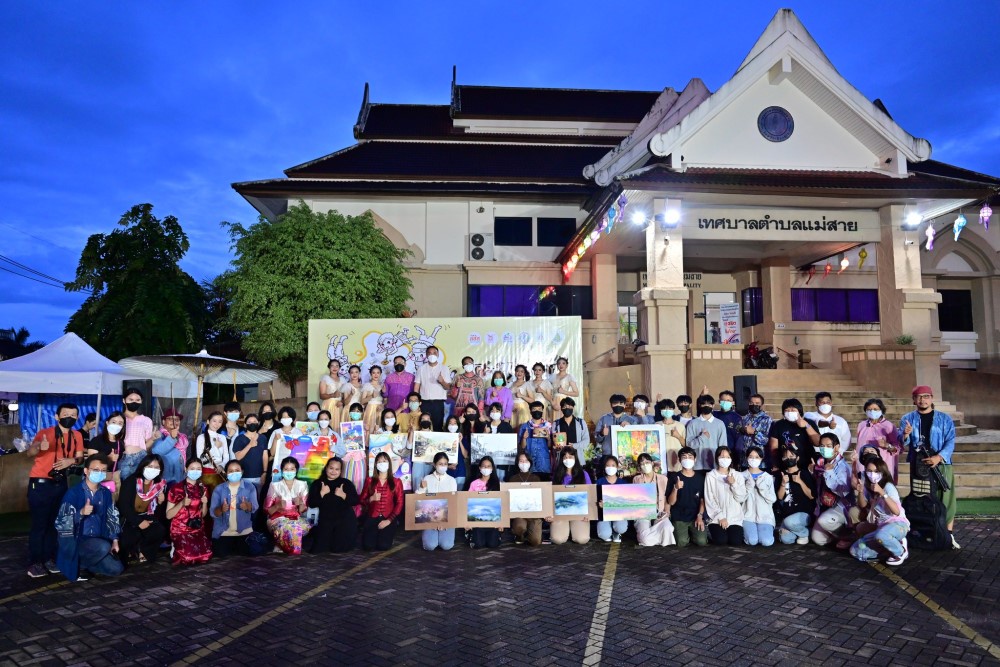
x=600, y=335
x=905, y=305
x=986, y=318
x=662, y=306
x=776, y=291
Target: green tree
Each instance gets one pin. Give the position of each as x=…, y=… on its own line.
x=14, y=343
x=308, y=265
x=142, y=302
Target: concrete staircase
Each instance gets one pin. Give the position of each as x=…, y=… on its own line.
x=977, y=454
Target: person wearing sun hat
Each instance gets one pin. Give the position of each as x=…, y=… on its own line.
x=172, y=446
x=937, y=431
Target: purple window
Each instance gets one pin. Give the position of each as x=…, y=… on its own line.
x=835, y=305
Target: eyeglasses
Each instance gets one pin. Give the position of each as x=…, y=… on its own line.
x=919, y=396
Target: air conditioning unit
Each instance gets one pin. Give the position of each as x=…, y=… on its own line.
x=481, y=247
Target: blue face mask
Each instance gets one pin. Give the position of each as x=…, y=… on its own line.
x=194, y=475
x=96, y=476
x=726, y=405
x=312, y=415
x=234, y=477
x=288, y=475
x=667, y=413
x=355, y=416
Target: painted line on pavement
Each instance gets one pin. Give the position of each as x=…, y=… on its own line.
x=209, y=649
x=599, y=621
x=18, y=596
x=939, y=611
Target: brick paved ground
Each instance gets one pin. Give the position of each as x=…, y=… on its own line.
x=513, y=606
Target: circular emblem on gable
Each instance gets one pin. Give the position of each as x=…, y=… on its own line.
x=775, y=124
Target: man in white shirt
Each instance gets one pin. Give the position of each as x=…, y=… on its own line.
x=827, y=422
x=433, y=381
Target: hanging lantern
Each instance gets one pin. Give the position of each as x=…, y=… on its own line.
x=984, y=215
x=811, y=273
x=844, y=263
x=827, y=269
x=960, y=223
x=862, y=256
x=930, y=233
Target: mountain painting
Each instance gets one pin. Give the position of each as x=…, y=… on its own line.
x=628, y=502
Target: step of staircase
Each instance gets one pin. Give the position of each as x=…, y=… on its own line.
x=976, y=464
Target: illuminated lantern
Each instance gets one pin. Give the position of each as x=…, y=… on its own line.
x=960, y=223
x=930, y=237
x=862, y=256
x=827, y=269
x=844, y=263
x=812, y=273
x=984, y=215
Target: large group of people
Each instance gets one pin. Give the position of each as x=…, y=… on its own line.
x=724, y=478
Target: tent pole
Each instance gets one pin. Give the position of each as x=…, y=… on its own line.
x=197, y=406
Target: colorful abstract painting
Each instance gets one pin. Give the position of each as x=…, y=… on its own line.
x=627, y=442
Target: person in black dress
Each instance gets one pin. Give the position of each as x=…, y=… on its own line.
x=141, y=504
x=336, y=497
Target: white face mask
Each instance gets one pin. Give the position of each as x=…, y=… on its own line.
x=323, y=423
x=382, y=466
x=754, y=462
x=639, y=406
x=687, y=464
x=495, y=416
x=792, y=416
x=825, y=409
x=724, y=463
x=286, y=421
x=150, y=473
x=114, y=429
x=524, y=467
x=390, y=421
x=486, y=472
x=432, y=358
x=569, y=463
x=874, y=477
x=874, y=415
x=442, y=470
x=611, y=471
x=647, y=468
x=469, y=368
x=453, y=428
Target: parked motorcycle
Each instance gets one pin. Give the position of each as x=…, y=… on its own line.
x=757, y=357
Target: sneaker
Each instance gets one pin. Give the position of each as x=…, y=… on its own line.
x=802, y=540
x=83, y=577
x=605, y=539
x=898, y=560
x=954, y=543
x=616, y=538
x=51, y=566
x=36, y=571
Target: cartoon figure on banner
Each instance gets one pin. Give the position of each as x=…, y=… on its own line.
x=380, y=348
x=335, y=351
x=418, y=348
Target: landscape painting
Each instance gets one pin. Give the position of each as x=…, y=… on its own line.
x=573, y=502
x=428, y=443
x=501, y=446
x=430, y=511
x=527, y=500
x=481, y=509
x=628, y=502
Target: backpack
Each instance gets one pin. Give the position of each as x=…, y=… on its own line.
x=928, y=521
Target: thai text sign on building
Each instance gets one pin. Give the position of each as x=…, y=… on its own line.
x=779, y=223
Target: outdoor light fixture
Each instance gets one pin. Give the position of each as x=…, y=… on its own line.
x=671, y=217
x=13, y=406
x=638, y=218
x=913, y=220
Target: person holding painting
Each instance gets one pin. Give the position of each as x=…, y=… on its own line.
x=438, y=482
x=577, y=433
x=525, y=530
x=569, y=471
x=617, y=417
x=487, y=480
x=610, y=531
x=535, y=438
x=659, y=532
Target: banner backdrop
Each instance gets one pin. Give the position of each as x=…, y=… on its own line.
x=495, y=343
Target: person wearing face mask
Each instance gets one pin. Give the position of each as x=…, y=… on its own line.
x=486, y=480
x=351, y=392
x=796, y=498
x=387, y=422
x=535, y=438
x=466, y=424
x=110, y=444
x=233, y=506
x=640, y=405
x=336, y=497
x=610, y=531
x=496, y=424
x=233, y=412
x=706, y=434
x=187, y=508
x=617, y=417
x=88, y=527
x=312, y=411
x=752, y=431
x=659, y=532
x=381, y=504
x=139, y=433
x=140, y=505
x=398, y=385
x=577, y=433
x=409, y=416
x=758, y=508
x=286, y=505
x=686, y=497
x=828, y=422
x=834, y=494
x=172, y=447
x=674, y=432
x=684, y=414
x=268, y=416
x=277, y=447
x=468, y=387
x=878, y=432
x=438, y=482
x=499, y=392
x=53, y=450
x=432, y=383
x=569, y=471
x=793, y=432
x=725, y=493
x=727, y=415
x=886, y=526
x=525, y=530
x=250, y=450
x=212, y=449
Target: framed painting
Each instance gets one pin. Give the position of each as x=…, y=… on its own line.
x=501, y=446
x=627, y=442
x=430, y=511
x=527, y=500
x=428, y=443
x=574, y=502
x=481, y=509
x=627, y=502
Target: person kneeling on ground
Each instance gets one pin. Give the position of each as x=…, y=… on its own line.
x=234, y=503
x=886, y=526
x=486, y=480
x=569, y=472
x=610, y=531
x=686, y=496
x=758, y=508
x=438, y=482
x=659, y=532
x=381, y=503
x=88, y=526
x=336, y=498
x=525, y=530
x=796, y=497
x=141, y=501
x=725, y=492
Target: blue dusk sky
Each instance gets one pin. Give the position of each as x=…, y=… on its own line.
x=106, y=105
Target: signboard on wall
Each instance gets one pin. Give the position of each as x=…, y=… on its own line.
x=495, y=343
x=729, y=314
x=777, y=223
